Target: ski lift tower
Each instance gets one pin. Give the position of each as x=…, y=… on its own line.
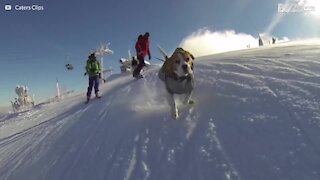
x=101, y=51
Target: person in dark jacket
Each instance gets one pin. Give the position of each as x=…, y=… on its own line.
x=93, y=70
x=134, y=63
x=142, y=50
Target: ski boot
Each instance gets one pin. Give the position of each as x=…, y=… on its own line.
x=88, y=99
x=97, y=95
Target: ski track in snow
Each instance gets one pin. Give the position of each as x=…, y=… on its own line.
x=256, y=117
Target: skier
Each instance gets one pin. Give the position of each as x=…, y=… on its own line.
x=142, y=49
x=260, y=42
x=273, y=40
x=93, y=70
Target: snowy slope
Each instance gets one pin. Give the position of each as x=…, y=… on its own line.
x=256, y=117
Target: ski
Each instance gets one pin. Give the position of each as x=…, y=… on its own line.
x=138, y=76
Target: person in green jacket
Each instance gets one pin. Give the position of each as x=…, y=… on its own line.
x=93, y=70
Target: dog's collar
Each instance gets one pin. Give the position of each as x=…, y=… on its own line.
x=187, y=77
x=181, y=78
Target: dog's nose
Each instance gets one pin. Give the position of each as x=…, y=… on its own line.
x=185, y=67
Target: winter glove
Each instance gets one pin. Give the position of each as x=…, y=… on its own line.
x=150, y=57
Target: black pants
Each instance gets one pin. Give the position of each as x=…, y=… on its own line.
x=140, y=65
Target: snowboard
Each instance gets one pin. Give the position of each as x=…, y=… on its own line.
x=138, y=76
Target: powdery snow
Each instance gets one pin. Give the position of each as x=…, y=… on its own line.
x=256, y=117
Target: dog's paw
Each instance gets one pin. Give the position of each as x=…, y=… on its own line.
x=175, y=117
x=191, y=101
x=174, y=113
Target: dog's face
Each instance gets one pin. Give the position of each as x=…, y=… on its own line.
x=183, y=64
x=180, y=63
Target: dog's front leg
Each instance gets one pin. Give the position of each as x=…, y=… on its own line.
x=173, y=106
x=188, y=99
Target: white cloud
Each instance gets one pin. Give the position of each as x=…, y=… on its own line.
x=205, y=42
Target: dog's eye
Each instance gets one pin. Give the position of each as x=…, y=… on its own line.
x=187, y=59
x=177, y=61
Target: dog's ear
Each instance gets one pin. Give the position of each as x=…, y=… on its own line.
x=168, y=66
x=191, y=55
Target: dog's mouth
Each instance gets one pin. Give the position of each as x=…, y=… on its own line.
x=185, y=74
x=182, y=72
x=187, y=70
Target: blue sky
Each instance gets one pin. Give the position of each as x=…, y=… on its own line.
x=34, y=46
